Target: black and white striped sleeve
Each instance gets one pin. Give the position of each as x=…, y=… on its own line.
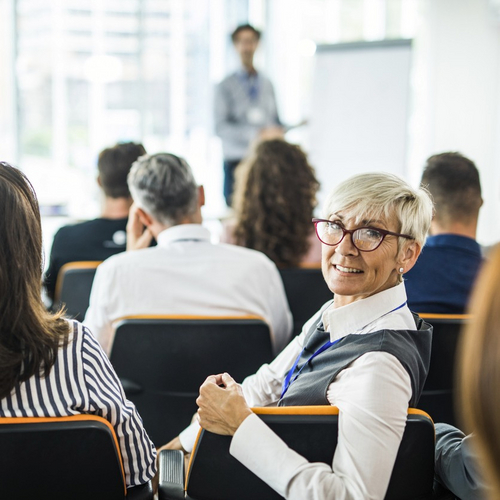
x=107, y=399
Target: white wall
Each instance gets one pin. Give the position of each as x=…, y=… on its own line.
x=456, y=106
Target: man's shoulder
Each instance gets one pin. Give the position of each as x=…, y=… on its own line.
x=91, y=226
x=243, y=253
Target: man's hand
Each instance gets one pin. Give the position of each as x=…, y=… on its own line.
x=138, y=236
x=269, y=133
x=222, y=407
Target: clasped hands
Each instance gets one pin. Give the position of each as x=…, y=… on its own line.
x=222, y=406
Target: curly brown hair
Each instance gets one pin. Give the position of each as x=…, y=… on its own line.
x=274, y=200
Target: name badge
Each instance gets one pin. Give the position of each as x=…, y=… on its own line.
x=255, y=116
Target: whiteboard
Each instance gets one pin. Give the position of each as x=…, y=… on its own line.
x=360, y=109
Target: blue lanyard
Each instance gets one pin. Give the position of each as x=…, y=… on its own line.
x=251, y=82
x=287, y=382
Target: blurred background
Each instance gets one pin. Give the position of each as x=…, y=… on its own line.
x=77, y=76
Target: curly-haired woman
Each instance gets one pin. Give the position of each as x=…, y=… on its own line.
x=274, y=200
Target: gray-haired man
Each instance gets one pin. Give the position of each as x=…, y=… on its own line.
x=185, y=273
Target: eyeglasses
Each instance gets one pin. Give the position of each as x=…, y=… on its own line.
x=365, y=239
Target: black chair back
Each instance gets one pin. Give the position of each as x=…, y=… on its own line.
x=60, y=458
x=74, y=283
x=438, y=398
x=163, y=361
x=313, y=436
x=306, y=292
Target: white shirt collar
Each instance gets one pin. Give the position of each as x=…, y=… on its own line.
x=356, y=316
x=183, y=232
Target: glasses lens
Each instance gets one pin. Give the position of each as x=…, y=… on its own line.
x=329, y=232
x=367, y=238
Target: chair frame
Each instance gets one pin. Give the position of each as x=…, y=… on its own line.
x=171, y=467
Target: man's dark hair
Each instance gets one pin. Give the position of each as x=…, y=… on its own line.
x=453, y=181
x=244, y=27
x=114, y=165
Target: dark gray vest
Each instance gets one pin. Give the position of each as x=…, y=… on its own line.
x=411, y=347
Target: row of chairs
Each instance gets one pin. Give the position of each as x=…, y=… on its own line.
x=145, y=350
x=162, y=372
x=78, y=457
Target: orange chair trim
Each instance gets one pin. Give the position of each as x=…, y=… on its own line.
x=445, y=316
x=416, y=411
x=316, y=410
x=81, y=417
x=190, y=463
x=83, y=264
x=187, y=317
x=297, y=410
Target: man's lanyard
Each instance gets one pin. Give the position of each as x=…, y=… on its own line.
x=287, y=382
x=251, y=83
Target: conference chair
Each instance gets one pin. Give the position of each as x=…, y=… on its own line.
x=438, y=395
x=73, y=285
x=306, y=292
x=163, y=360
x=213, y=474
x=59, y=458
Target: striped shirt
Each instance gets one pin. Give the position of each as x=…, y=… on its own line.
x=82, y=380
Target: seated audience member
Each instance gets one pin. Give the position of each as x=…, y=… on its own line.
x=185, y=273
x=274, y=200
x=363, y=352
x=457, y=464
x=52, y=367
x=100, y=238
x=443, y=277
x=479, y=378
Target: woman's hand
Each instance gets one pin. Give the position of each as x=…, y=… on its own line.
x=138, y=236
x=222, y=407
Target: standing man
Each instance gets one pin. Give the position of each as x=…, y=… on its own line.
x=245, y=106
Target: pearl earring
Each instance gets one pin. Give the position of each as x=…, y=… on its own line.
x=401, y=270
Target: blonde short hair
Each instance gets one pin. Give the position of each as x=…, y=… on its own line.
x=376, y=195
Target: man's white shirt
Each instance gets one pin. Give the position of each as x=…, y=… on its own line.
x=186, y=274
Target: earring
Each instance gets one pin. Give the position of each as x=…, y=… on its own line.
x=401, y=270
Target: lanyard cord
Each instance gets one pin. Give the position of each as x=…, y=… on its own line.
x=288, y=382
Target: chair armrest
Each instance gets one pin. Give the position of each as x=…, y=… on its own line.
x=171, y=480
x=141, y=492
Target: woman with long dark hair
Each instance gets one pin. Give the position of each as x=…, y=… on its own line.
x=49, y=366
x=274, y=201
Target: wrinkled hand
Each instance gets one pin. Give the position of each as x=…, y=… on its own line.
x=222, y=407
x=138, y=236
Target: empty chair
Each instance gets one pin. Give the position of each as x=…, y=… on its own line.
x=59, y=458
x=311, y=431
x=74, y=283
x=306, y=292
x=438, y=395
x=163, y=360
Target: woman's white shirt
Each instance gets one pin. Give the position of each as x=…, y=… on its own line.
x=372, y=395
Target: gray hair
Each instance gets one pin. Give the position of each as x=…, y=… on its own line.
x=374, y=195
x=164, y=186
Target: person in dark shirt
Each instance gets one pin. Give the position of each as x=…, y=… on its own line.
x=100, y=238
x=441, y=280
